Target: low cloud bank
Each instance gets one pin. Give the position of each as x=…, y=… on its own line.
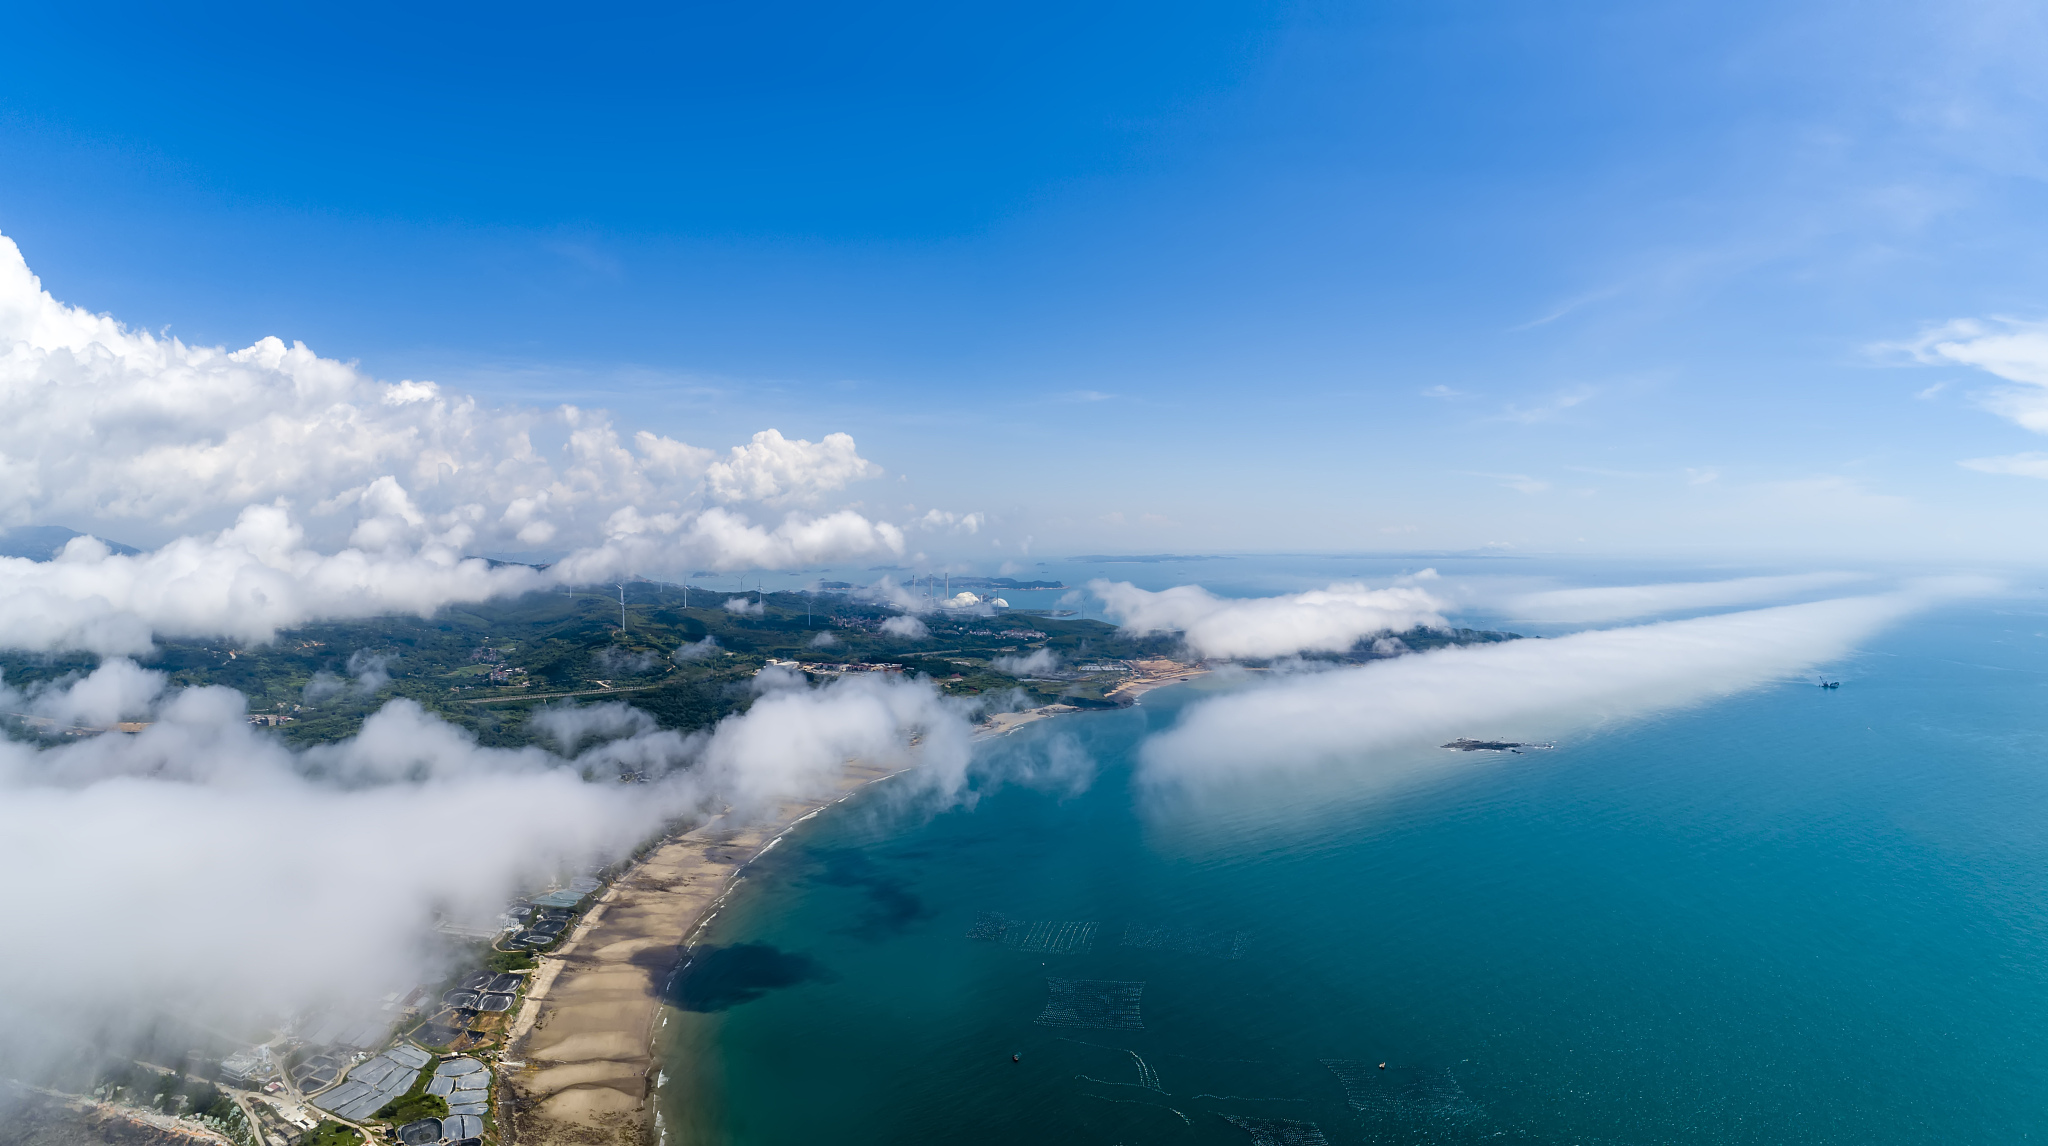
x=199, y=870
x=1525, y=690
x=251, y=580
x=1321, y=620
x=1624, y=602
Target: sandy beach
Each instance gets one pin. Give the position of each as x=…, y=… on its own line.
x=580, y=1053
x=1146, y=676
x=1004, y=723
x=1150, y=674
x=581, y=1050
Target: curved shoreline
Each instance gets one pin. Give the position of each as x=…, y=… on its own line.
x=580, y=1053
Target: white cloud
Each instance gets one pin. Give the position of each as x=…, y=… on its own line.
x=128, y=429
x=744, y=606
x=907, y=627
x=619, y=662
x=133, y=835
x=244, y=583
x=117, y=690
x=308, y=489
x=2033, y=465
x=941, y=521
x=1526, y=690
x=695, y=650
x=1031, y=664
x=1551, y=408
x=773, y=469
x=1619, y=602
x=1831, y=498
x=370, y=670
x=1566, y=308
x=571, y=726
x=886, y=591
x=1321, y=620
x=2007, y=348
x=1520, y=483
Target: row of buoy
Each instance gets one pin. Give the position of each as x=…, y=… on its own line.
x=1020, y=1058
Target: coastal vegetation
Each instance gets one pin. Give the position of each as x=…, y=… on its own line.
x=405, y=1109
x=504, y=961
x=330, y=1133
x=486, y=667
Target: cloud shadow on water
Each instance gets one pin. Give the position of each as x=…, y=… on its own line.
x=720, y=978
x=892, y=906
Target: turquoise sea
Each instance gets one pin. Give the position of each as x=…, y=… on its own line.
x=1792, y=916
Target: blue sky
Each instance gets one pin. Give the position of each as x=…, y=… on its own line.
x=1586, y=279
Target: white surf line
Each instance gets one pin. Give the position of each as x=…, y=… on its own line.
x=732, y=883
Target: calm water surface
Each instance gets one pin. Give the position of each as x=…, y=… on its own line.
x=1795, y=916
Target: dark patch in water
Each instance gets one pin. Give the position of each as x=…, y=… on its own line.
x=892, y=906
x=720, y=978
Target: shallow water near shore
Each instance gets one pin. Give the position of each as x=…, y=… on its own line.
x=1793, y=916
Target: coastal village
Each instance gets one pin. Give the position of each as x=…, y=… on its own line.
x=426, y=1069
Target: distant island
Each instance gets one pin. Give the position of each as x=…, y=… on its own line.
x=1147, y=558
x=44, y=542
x=1003, y=583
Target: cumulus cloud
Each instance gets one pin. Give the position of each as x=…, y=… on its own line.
x=744, y=606
x=774, y=469
x=1620, y=602
x=306, y=489
x=118, y=690
x=120, y=426
x=941, y=521
x=797, y=738
x=1031, y=664
x=907, y=627
x=150, y=841
x=1525, y=690
x=823, y=641
x=1321, y=620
